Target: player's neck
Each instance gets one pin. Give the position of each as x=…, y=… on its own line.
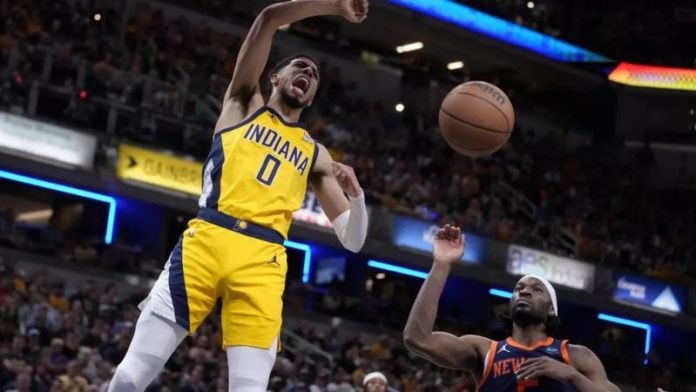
x=529, y=335
x=289, y=114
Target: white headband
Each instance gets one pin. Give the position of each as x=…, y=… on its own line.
x=373, y=376
x=549, y=288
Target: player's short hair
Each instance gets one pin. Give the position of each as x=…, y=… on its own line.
x=287, y=60
x=552, y=323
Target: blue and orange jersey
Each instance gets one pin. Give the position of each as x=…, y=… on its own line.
x=505, y=357
x=257, y=171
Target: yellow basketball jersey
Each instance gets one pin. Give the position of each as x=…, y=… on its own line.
x=257, y=170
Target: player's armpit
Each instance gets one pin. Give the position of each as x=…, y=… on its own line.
x=452, y=352
x=589, y=365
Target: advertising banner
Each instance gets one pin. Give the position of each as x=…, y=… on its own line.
x=417, y=234
x=48, y=141
x=155, y=168
x=649, y=293
x=558, y=270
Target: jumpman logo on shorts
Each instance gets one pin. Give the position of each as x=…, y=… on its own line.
x=274, y=261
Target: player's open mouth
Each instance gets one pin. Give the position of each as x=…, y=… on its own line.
x=300, y=85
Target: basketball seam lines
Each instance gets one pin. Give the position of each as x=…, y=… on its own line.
x=475, y=149
x=472, y=124
x=490, y=103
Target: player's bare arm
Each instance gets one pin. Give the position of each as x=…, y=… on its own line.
x=243, y=94
x=443, y=349
x=586, y=374
x=331, y=182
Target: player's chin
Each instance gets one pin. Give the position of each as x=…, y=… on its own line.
x=296, y=100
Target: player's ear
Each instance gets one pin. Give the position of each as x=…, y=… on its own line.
x=274, y=79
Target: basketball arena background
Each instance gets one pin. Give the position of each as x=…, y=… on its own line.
x=107, y=110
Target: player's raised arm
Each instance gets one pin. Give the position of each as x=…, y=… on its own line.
x=330, y=180
x=253, y=55
x=440, y=348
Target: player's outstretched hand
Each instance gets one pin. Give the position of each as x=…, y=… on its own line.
x=345, y=175
x=354, y=11
x=448, y=245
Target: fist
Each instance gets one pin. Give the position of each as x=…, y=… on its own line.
x=345, y=176
x=354, y=11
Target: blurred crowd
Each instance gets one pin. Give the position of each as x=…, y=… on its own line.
x=68, y=335
x=652, y=32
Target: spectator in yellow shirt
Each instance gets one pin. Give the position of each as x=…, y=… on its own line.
x=73, y=381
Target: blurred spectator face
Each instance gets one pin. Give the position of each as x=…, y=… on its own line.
x=18, y=344
x=203, y=341
x=57, y=386
x=376, y=385
x=34, y=337
x=57, y=345
x=197, y=373
x=23, y=382
x=72, y=340
x=77, y=306
x=74, y=369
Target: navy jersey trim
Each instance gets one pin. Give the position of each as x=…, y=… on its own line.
x=280, y=117
x=217, y=156
x=316, y=155
x=489, y=363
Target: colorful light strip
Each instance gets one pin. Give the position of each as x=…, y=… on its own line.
x=634, y=324
x=397, y=269
x=502, y=30
x=500, y=293
x=654, y=77
x=111, y=220
x=307, y=257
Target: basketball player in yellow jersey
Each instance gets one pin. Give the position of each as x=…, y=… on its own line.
x=256, y=174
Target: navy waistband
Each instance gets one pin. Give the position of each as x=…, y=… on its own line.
x=240, y=226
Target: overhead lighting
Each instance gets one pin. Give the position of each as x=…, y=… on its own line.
x=400, y=107
x=530, y=5
x=413, y=46
x=455, y=65
x=97, y=17
x=381, y=276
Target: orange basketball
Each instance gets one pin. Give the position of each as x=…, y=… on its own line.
x=476, y=119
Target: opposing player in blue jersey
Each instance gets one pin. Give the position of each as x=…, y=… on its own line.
x=529, y=360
